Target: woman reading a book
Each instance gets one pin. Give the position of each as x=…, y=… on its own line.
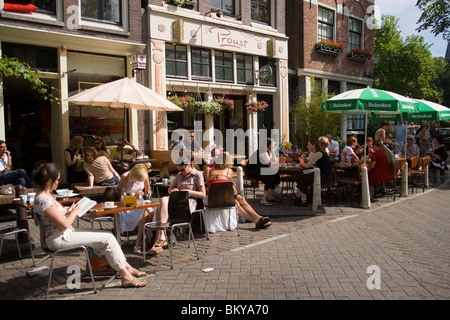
x=56, y=222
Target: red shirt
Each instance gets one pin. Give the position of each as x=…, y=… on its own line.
x=382, y=171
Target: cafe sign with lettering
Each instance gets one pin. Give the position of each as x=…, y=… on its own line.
x=190, y=31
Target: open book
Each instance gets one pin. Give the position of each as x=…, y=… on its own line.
x=85, y=204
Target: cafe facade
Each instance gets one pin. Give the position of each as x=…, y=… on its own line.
x=73, y=47
x=214, y=53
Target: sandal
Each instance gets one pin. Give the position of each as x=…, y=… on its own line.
x=263, y=223
x=161, y=243
x=137, y=249
x=154, y=251
x=138, y=274
x=135, y=283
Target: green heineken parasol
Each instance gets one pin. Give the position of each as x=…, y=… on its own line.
x=369, y=100
x=428, y=110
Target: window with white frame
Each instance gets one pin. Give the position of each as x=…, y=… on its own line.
x=176, y=61
x=201, y=64
x=355, y=122
x=244, y=69
x=354, y=34
x=261, y=11
x=44, y=6
x=106, y=11
x=226, y=6
x=325, y=24
x=224, y=66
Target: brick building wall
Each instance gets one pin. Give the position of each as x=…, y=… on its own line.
x=134, y=33
x=303, y=36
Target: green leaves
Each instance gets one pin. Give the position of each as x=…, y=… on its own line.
x=308, y=121
x=435, y=15
x=404, y=66
x=11, y=67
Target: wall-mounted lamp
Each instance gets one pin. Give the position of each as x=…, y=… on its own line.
x=66, y=72
x=218, y=13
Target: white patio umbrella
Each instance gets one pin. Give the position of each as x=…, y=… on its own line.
x=123, y=93
x=366, y=101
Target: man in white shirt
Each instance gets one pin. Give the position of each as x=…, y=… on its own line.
x=7, y=175
x=333, y=149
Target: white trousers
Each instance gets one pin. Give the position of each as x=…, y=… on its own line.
x=102, y=241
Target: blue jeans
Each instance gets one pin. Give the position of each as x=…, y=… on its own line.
x=16, y=177
x=108, y=182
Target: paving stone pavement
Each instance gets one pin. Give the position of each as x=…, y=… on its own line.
x=303, y=255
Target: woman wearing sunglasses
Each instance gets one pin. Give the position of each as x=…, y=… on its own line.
x=188, y=179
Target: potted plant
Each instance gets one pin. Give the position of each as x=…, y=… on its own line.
x=360, y=54
x=188, y=4
x=258, y=106
x=174, y=3
x=286, y=146
x=225, y=102
x=329, y=46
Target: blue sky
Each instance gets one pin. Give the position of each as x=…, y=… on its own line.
x=408, y=15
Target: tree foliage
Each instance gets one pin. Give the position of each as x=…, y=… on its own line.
x=435, y=16
x=405, y=67
x=443, y=80
x=308, y=121
x=11, y=67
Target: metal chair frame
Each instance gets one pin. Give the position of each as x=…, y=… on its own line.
x=52, y=254
x=179, y=216
x=5, y=233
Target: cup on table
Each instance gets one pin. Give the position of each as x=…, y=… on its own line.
x=165, y=181
x=109, y=204
x=23, y=198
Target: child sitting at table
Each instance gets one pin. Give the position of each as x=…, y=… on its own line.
x=135, y=181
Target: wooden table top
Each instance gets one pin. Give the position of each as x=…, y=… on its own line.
x=100, y=208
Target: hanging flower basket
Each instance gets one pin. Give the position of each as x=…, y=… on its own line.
x=225, y=102
x=187, y=103
x=329, y=47
x=257, y=106
x=360, y=55
x=202, y=107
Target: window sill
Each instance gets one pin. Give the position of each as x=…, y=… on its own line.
x=33, y=17
x=105, y=29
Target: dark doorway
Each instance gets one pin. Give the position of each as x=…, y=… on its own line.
x=27, y=124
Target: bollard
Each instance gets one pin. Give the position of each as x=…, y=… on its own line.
x=317, y=191
x=404, y=181
x=427, y=176
x=365, y=192
x=240, y=181
x=21, y=216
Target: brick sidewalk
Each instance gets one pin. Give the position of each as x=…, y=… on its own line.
x=302, y=255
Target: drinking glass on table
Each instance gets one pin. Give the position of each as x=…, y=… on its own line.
x=66, y=194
